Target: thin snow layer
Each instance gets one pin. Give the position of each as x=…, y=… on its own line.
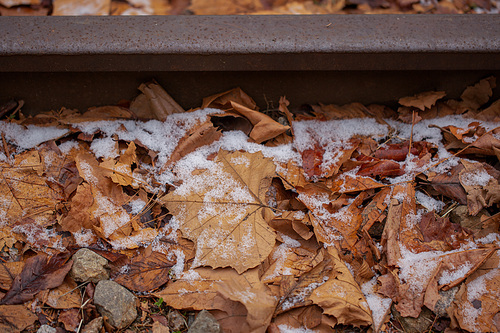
x=27, y=137
x=378, y=305
x=290, y=302
x=161, y=137
x=428, y=202
x=324, y=133
x=475, y=178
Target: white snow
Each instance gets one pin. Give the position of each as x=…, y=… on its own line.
x=378, y=304
x=27, y=137
x=428, y=202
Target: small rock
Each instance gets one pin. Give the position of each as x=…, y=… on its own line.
x=415, y=325
x=46, y=329
x=445, y=300
x=205, y=322
x=116, y=303
x=88, y=266
x=176, y=321
x=94, y=326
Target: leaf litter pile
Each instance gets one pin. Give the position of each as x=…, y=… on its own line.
x=317, y=219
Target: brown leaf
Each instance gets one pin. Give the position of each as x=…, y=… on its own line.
x=228, y=228
x=422, y=101
x=264, y=127
x=475, y=96
x=15, y=318
x=70, y=319
x=341, y=297
x=346, y=183
x=8, y=272
x=223, y=100
x=310, y=317
x=259, y=304
x=66, y=296
x=476, y=304
x=145, y=272
x=201, y=135
x=477, y=182
x=156, y=103
x=441, y=230
x=448, y=184
x=39, y=273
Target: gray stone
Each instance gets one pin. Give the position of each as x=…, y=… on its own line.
x=415, y=325
x=116, y=303
x=94, y=326
x=46, y=329
x=176, y=321
x=445, y=300
x=205, y=322
x=88, y=266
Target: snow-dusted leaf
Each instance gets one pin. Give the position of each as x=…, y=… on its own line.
x=85, y=7
x=220, y=209
x=66, y=296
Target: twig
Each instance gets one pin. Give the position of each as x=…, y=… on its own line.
x=411, y=133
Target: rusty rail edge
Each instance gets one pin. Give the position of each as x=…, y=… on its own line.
x=250, y=43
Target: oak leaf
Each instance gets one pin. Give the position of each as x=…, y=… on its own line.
x=66, y=296
x=8, y=272
x=221, y=210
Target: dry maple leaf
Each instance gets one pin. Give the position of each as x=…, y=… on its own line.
x=221, y=210
x=422, y=101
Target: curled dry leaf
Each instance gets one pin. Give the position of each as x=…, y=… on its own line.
x=8, y=272
x=220, y=209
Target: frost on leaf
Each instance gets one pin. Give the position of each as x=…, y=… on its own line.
x=221, y=210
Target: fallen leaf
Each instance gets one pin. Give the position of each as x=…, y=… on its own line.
x=259, y=304
x=154, y=103
x=15, y=318
x=8, y=272
x=475, y=180
x=223, y=100
x=220, y=209
x=448, y=184
x=422, y=101
x=145, y=272
x=475, y=96
x=341, y=297
x=264, y=127
x=66, y=296
x=39, y=273
x=70, y=319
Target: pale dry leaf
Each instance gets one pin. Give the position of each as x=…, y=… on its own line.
x=220, y=209
x=12, y=3
x=66, y=296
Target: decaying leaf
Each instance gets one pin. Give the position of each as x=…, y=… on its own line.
x=220, y=209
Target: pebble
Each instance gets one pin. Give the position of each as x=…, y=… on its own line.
x=116, y=303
